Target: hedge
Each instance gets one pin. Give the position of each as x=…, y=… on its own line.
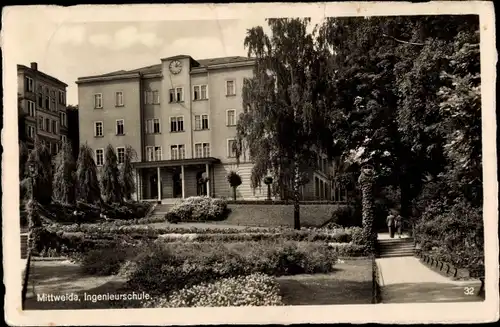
x=198, y=208
x=163, y=268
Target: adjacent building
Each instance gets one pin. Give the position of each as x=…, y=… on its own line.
x=180, y=116
x=42, y=107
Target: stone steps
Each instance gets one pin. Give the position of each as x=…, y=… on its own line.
x=400, y=247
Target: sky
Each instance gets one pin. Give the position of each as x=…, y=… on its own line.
x=71, y=50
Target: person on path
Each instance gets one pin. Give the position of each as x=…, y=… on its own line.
x=398, y=222
x=390, y=224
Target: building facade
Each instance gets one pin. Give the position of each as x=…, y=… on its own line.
x=180, y=117
x=42, y=107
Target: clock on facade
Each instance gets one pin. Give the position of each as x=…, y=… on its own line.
x=175, y=67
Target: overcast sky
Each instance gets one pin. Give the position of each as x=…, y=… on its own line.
x=71, y=50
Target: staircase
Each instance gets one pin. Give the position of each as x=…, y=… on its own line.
x=24, y=246
x=161, y=210
x=396, y=247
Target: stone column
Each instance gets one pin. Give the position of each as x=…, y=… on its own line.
x=183, y=178
x=207, y=171
x=158, y=172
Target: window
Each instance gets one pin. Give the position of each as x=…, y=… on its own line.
x=31, y=131
x=54, y=126
x=63, y=138
x=120, y=153
x=62, y=97
x=153, y=153
x=200, y=92
x=206, y=150
x=148, y=97
x=177, y=124
x=149, y=153
x=200, y=122
x=40, y=123
x=176, y=95
x=120, y=128
x=230, y=87
x=231, y=148
x=99, y=157
x=40, y=100
x=30, y=84
x=158, y=153
x=47, y=124
x=153, y=126
x=119, y=99
x=177, y=152
x=179, y=94
x=31, y=109
x=202, y=150
x=156, y=97
x=47, y=102
x=63, y=119
x=98, y=129
x=98, y=101
x=231, y=117
x=53, y=104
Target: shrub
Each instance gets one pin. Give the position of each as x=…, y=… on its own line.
x=173, y=266
x=107, y=261
x=251, y=290
x=349, y=250
x=199, y=208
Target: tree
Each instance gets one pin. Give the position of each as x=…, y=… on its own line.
x=65, y=175
x=87, y=187
x=234, y=181
x=127, y=173
x=281, y=127
x=41, y=161
x=384, y=75
x=110, y=177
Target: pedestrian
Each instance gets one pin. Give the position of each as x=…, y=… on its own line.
x=398, y=222
x=390, y=224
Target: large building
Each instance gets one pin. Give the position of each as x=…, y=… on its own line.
x=42, y=107
x=180, y=116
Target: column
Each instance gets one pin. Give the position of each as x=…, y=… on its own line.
x=182, y=182
x=137, y=198
x=207, y=171
x=159, y=183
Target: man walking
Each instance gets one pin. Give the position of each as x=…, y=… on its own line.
x=398, y=222
x=390, y=224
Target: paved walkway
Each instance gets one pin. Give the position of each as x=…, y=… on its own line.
x=407, y=280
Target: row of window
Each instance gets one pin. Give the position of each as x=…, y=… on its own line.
x=200, y=92
x=177, y=152
x=29, y=86
x=32, y=113
x=48, y=125
x=153, y=126
x=53, y=147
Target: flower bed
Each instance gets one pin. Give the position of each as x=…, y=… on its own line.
x=198, y=208
x=251, y=290
x=163, y=268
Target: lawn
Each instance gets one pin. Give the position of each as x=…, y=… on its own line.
x=350, y=283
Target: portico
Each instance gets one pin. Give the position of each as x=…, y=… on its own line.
x=174, y=179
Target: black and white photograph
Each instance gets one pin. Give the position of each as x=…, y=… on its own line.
x=264, y=158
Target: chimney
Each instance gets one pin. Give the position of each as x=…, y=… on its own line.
x=34, y=66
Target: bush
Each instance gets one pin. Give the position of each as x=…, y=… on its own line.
x=199, y=208
x=454, y=235
x=107, y=261
x=349, y=250
x=251, y=290
x=173, y=266
x=343, y=216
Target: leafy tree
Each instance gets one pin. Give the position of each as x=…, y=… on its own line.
x=110, y=177
x=384, y=76
x=127, y=173
x=65, y=175
x=234, y=181
x=87, y=187
x=281, y=127
x=40, y=159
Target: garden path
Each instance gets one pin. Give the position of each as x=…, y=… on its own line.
x=407, y=280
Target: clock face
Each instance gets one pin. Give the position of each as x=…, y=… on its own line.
x=175, y=67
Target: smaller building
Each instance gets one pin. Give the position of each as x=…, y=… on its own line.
x=42, y=107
